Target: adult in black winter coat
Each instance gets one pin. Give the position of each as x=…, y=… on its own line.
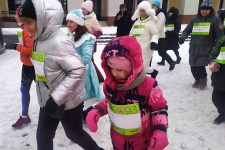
x=173, y=27
x=206, y=29
x=222, y=17
x=123, y=21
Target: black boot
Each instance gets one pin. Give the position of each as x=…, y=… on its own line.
x=220, y=119
x=161, y=63
x=203, y=83
x=196, y=84
x=172, y=65
x=154, y=74
x=178, y=59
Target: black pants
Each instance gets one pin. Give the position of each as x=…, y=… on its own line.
x=72, y=124
x=218, y=98
x=198, y=72
x=162, y=50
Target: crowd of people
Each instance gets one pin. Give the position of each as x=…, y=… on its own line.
x=63, y=68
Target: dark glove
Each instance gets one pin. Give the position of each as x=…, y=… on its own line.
x=51, y=106
x=53, y=110
x=154, y=46
x=181, y=41
x=11, y=46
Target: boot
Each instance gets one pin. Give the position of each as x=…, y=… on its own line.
x=196, y=84
x=203, y=83
x=161, y=63
x=178, y=59
x=154, y=74
x=220, y=119
x=172, y=65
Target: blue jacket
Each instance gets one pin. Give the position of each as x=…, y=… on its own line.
x=85, y=49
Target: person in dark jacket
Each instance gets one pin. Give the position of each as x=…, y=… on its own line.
x=123, y=21
x=172, y=27
x=217, y=66
x=222, y=17
x=206, y=29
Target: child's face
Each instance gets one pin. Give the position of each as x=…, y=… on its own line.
x=84, y=11
x=119, y=74
x=142, y=13
x=31, y=27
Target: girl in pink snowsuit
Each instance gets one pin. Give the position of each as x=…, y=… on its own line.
x=134, y=102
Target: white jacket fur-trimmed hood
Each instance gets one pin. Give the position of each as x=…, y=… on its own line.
x=148, y=10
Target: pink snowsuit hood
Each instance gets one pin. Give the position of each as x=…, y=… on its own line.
x=123, y=46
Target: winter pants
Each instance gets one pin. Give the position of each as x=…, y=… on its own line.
x=162, y=50
x=198, y=72
x=72, y=124
x=218, y=98
x=28, y=75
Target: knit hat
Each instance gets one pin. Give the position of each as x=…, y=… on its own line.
x=120, y=62
x=148, y=10
x=207, y=4
x=156, y=3
x=122, y=5
x=88, y=5
x=76, y=16
x=28, y=10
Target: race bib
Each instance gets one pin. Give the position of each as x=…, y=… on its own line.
x=38, y=60
x=20, y=37
x=169, y=27
x=125, y=119
x=138, y=30
x=201, y=28
x=221, y=57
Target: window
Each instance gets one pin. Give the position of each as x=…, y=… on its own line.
x=13, y=5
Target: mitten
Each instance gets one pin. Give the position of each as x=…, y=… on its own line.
x=154, y=46
x=214, y=66
x=181, y=41
x=10, y=46
x=92, y=119
x=158, y=140
x=51, y=106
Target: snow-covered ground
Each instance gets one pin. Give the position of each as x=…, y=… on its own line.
x=191, y=111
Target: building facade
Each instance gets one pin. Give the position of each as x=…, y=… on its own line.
x=107, y=9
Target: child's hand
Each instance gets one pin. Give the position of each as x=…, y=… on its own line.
x=158, y=140
x=214, y=66
x=92, y=119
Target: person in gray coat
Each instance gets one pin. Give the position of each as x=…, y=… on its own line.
x=59, y=75
x=206, y=29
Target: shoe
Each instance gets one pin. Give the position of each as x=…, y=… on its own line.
x=162, y=63
x=154, y=74
x=220, y=119
x=203, y=83
x=172, y=65
x=196, y=84
x=178, y=60
x=21, y=121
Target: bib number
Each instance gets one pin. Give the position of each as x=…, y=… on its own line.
x=38, y=62
x=138, y=30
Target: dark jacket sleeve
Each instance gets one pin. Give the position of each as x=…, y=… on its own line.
x=116, y=22
x=218, y=28
x=187, y=30
x=216, y=50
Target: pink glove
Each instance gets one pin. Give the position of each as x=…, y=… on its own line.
x=92, y=119
x=214, y=66
x=158, y=140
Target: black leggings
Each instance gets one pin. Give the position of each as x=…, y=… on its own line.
x=218, y=98
x=72, y=124
x=162, y=50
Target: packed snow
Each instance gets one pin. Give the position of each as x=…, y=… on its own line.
x=191, y=111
